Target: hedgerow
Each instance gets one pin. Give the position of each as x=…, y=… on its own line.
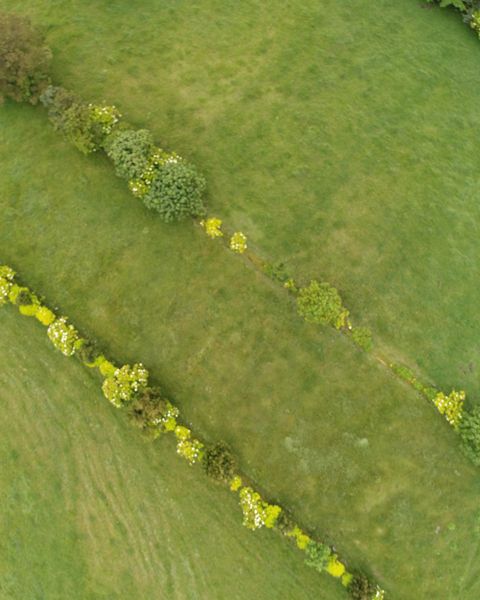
x=128, y=387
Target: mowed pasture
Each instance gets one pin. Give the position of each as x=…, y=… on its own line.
x=341, y=140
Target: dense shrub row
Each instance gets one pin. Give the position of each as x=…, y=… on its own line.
x=128, y=386
x=163, y=180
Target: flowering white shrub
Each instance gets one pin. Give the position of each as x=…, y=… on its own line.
x=7, y=276
x=7, y=272
x=105, y=116
x=190, y=449
x=379, y=594
x=238, y=242
x=451, y=406
x=253, y=508
x=63, y=336
x=125, y=382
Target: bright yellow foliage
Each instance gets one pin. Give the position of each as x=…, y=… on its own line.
x=106, y=368
x=212, y=227
x=29, y=310
x=45, y=316
x=236, y=483
x=272, y=511
x=346, y=579
x=182, y=433
x=301, y=538
x=335, y=567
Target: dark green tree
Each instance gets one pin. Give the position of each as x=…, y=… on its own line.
x=24, y=60
x=361, y=588
x=130, y=151
x=176, y=192
x=219, y=462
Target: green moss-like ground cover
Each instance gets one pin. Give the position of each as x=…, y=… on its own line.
x=341, y=139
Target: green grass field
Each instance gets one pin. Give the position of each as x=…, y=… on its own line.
x=341, y=140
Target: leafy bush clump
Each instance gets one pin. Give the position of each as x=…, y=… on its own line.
x=63, y=336
x=24, y=60
x=130, y=151
x=469, y=430
x=176, y=191
x=84, y=125
x=321, y=303
x=152, y=414
x=361, y=588
x=318, y=555
x=121, y=387
x=362, y=336
x=219, y=462
x=276, y=272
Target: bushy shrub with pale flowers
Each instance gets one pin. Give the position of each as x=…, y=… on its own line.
x=104, y=118
x=256, y=512
x=212, y=227
x=121, y=387
x=63, y=336
x=451, y=406
x=253, y=508
x=187, y=447
x=7, y=276
x=238, y=242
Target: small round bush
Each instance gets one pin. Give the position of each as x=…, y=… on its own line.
x=362, y=336
x=318, y=555
x=219, y=462
x=285, y=522
x=176, y=192
x=130, y=151
x=87, y=352
x=361, y=588
x=321, y=303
